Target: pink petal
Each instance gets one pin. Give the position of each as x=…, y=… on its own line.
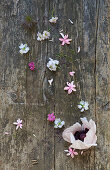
x=66, y=88
x=61, y=39
x=69, y=91
x=63, y=43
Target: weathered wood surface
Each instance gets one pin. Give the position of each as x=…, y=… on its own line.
x=25, y=94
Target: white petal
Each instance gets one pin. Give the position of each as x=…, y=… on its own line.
x=62, y=35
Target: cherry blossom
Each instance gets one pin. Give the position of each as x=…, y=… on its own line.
x=71, y=152
x=18, y=124
x=64, y=39
x=70, y=87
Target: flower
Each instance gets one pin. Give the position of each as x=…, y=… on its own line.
x=81, y=137
x=83, y=106
x=18, y=124
x=50, y=81
x=71, y=73
x=52, y=64
x=70, y=87
x=51, y=117
x=71, y=152
x=46, y=35
x=58, y=123
x=23, y=48
x=65, y=39
x=40, y=36
x=53, y=20
x=31, y=66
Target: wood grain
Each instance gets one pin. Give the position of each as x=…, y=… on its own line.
x=27, y=95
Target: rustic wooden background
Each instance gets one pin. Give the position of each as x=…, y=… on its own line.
x=26, y=95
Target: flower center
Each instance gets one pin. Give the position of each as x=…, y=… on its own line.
x=81, y=134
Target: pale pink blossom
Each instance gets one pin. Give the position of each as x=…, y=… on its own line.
x=64, y=39
x=18, y=124
x=70, y=87
x=81, y=137
x=51, y=117
x=71, y=73
x=71, y=152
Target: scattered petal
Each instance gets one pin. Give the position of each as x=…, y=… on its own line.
x=78, y=49
x=71, y=73
x=71, y=21
x=50, y=81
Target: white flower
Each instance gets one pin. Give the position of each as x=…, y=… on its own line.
x=58, y=123
x=83, y=106
x=23, y=48
x=40, y=36
x=46, y=35
x=52, y=64
x=50, y=81
x=53, y=20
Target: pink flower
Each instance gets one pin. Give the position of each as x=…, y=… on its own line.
x=65, y=39
x=70, y=87
x=81, y=137
x=31, y=66
x=71, y=73
x=71, y=152
x=18, y=124
x=51, y=117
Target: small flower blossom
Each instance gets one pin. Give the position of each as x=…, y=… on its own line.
x=50, y=81
x=46, y=35
x=51, y=117
x=53, y=20
x=83, y=106
x=18, y=124
x=52, y=64
x=71, y=73
x=40, y=36
x=58, y=123
x=70, y=87
x=64, y=39
x=71, y=152
x=31, y=66
x=23, y=48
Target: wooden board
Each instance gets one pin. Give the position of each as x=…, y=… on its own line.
x=26, y=95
